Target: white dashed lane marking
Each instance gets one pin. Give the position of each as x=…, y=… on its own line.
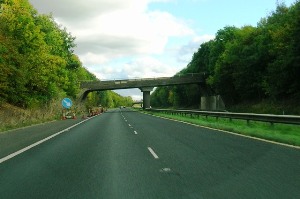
x=153, y=153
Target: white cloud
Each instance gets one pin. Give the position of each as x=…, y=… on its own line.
x=92, y=59
x=186, y=51
x=125, y=33
x=110, y=30
x=115, y=27
x=148, y=67
x=143, y=67
x=80, y=10
x=203, y=38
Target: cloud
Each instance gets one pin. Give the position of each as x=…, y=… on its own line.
x=126, y=33
x=148, y=67
x=143, y=67
x=106, y=30
x=80, y=10
x=186, y=51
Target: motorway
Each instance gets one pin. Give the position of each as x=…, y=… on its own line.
x=127, y=154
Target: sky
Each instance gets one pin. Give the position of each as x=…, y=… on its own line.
x=127, y=39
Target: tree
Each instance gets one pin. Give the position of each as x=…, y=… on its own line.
x=280, y=78
x=37, y=59
x=221, y=77
x=247, y=67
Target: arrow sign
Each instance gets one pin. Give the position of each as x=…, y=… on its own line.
x=66, y=102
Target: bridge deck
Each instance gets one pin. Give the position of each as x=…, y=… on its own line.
x=140, y=83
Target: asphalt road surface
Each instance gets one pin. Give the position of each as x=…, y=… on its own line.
x=126, y=154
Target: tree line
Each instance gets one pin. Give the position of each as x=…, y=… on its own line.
x=37, y=60
x=108, y=99
x=245, y=64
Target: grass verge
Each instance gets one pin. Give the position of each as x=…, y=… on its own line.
x=283, y=133
x=12, y=117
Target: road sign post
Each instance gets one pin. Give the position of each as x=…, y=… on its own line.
x=66, y=103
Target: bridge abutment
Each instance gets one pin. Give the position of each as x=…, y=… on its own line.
x=212, y=103
x=146, y=96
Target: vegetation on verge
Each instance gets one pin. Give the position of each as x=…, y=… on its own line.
x=247, y=66
x=12, y=117
x=283, y=133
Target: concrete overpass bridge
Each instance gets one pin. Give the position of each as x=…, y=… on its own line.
x=146, y=85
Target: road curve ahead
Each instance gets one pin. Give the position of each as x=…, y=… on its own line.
x=127, y=154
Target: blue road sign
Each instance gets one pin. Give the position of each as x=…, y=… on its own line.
x=66, y=102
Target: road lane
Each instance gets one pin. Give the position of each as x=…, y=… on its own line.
x=14, y=140
x=106, y=158
x=213, y=164
x=98, y=159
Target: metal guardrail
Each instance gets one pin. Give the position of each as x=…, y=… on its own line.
x=284, y=119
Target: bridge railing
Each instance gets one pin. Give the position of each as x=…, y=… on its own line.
x=284, y=119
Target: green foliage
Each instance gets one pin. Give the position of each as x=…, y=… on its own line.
x=162, y=97
x=246, y=64
x=37, y=62
x=280, y=70
x=108, y=99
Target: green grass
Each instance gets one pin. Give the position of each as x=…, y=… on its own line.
x=283, y=133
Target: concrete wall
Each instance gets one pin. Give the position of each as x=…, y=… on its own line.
x=212, y=103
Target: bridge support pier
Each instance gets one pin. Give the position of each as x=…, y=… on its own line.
x=212, y=103
x=146, y=96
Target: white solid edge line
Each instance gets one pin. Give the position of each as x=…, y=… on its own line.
x=153, y=153
x=232, y=133
x=40, y=142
